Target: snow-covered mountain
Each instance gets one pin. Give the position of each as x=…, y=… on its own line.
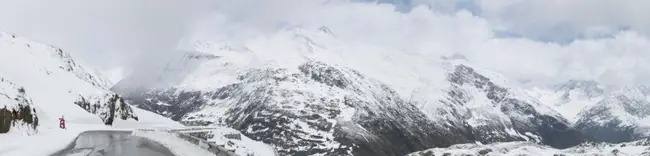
x=17, y=112
x=316, y=109
x=56, y=85
x=494, y=112
x=308, y=92
x=621, y=116
x=571, y=97
x=606, y=114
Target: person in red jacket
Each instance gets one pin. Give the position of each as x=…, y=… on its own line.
x=62, y=122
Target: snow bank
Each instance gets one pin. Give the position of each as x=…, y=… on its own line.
x=48, y=140
x=39, y=69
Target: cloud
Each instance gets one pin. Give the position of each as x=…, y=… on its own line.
x=559, y=21
x=619, y=60
x=544, y=19
x=556, y=40
x=434, y=30
x=105, y=33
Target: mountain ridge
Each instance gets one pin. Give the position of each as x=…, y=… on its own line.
x=249, y=90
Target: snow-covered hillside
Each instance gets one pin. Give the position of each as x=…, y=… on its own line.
x=607, y=114
x=494, y=112
x=570, y=98
x=635, y=148
x=319, y=109
x=305, y=91
x=43, y=83
x=58, y=85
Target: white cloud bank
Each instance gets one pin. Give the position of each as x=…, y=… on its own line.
x=115, y=29
x=106, y=33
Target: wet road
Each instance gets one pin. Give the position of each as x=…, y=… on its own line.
x=113, y=143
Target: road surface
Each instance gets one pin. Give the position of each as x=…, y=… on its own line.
x=113, y=143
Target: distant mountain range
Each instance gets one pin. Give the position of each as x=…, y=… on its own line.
x=306, y=92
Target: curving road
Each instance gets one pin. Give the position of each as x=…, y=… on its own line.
x=113, y=143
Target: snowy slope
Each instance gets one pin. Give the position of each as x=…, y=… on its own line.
x=57, y=85
x=306, y=91
x=570, y=98
x=224, y=61
x=635, y=148
x=320, y=109
x=52, y=84
x=494, y=111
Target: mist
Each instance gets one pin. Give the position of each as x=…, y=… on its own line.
x=111, y=35
x=581, y=39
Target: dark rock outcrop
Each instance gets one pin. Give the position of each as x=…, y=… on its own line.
x=19, y=111
x=108, y=108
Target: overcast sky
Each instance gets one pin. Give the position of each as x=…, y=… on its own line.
x=537, y=40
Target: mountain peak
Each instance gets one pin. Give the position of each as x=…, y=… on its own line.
x=636, y=91
x=587, y=88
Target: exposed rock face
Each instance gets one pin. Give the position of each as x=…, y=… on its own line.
x=508, y=117
x=16, y=109
x=108, y=108
x=67, y=63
